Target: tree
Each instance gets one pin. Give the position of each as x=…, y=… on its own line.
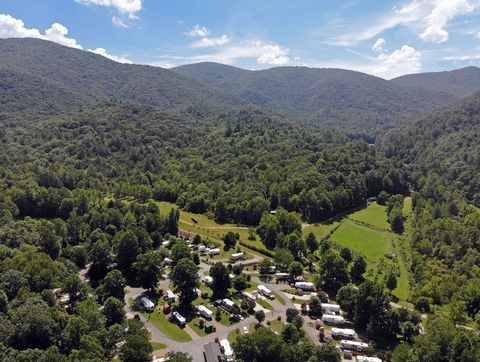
x=149, y=269
x=76, y=289
x=290, y=334
x=315, y=307
x=230, y=239
x=113, y=311
x=471, y=296
x=327, y=352
x=291, y=313
x=391, y=281
x=113, y=285
x=221, y=279
x=268, y=230
x=396, y=220
x=359, y=267
x=260, y=316
x=265, y=266
x=171, y=223
x=100, y=258
x=333, y=270
x=137, y=348
x=128, y=248
x=346, y=299
x=297, y=321
x=295, y=269
x=49, y=242
x=283, y=258
x=311, y=241
x=178, y=357
x=240, y=282
x=346, y=254
x=185, y=280
x=180, y=250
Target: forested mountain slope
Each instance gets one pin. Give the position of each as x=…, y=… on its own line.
x=445, y=143
x=37, y=75
x=355, y=102
x=458, y=83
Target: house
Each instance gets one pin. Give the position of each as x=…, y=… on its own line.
x=305, y=285
x=181, y=321
x=249, y=296
x=214, y=251
x=205, y=312
x=238, y=256
x=263, y=290
x=170, y=297
x=368, y=359
x=207, y=280
x=331, y=308
x=353, y=345
x=228, y=304
x=146, y=304
x=281, y=277
x=226, y=349
x=343, y=333
x=333, y=319
x=211, y=352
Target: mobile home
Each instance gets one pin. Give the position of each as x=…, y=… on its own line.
x=214, y=251
x=147, y=304
x=179, y=319
x=226, y=349
x=263, y=290
x=238, y=256
x=331, y=308
x=249, y=296
x=333, y=319
x=304, y=285
x=343, y=333
x=205, y=312
x=282, y=276
x=207, y=280
x=368, y=359
x=228, y=304
x=353, y=345
x=170, y=297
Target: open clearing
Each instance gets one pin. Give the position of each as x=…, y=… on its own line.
x=374, y=215
x=172, y=331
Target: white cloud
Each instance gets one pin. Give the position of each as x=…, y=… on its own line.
x=379, y=45
x=103, y=52
x=128, y=7
x=427, y=17
x=262, y=52
x=199, y=31
x=211, y=42
x=119, y=22
x=401, y=61
x=441, y=14
x=11, y=27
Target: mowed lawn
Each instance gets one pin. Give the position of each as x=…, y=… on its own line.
x=372, y=243
x=374, y=214
x=172, y=331
x=320, y=230
x=208, y=228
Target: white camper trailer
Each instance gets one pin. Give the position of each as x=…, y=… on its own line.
x=205, y=312
x=333, y=319
x=267, y=293
x=353, y=345
x=343, y=333
x=305, y=285
x=330, y=308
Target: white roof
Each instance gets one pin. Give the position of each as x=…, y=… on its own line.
x=343, y=331
x=170, y=294
x=353, y=343
x=304, y=284
x=147, y=302
x=368, y=359
x=264, y=289
x=179, y=317
x=204, y=309
x=227, y=350
x=330, y=306
x=333, y=317
x=249, y=295
x=228, y=302
x=207, y=279
x=237, y=255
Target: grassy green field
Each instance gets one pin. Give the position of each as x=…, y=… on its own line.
x=366, y=232
x=208, y=228
x=158, y=345
x=172, y=331
x=264, y=304
x=374, y=215
x=320, y=230
x=370, y=242
x=278, y=298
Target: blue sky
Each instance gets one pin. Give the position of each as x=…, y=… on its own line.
x=384, y=38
